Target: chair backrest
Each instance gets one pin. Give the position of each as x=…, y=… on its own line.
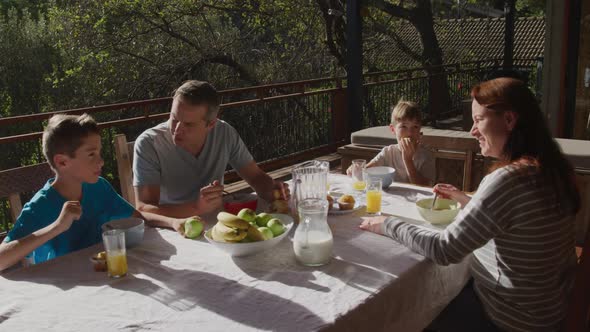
x=583, y=216
x=443, y=145
x=124, y=156
x=579, y=304
x=26, y=179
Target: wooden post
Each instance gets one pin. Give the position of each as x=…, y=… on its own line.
x=340, y=126
x=354, y=64
x=468, y=170
x=509, y=12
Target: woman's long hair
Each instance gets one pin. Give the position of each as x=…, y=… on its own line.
x=530, y=141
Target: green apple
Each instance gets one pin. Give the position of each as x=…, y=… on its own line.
x=262, y=219
x=266, y=232
x=193, y=227
x=247, y=214
x=276, y=226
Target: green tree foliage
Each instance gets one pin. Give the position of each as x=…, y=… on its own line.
x=27, y=61
x=143, y=49
x=60, y=55
x=28, y=57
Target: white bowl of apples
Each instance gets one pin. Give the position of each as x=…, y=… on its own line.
x=248, y=233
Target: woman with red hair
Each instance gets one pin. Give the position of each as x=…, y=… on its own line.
x=518, y=226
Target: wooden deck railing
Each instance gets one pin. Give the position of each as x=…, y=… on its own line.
x=280, y=123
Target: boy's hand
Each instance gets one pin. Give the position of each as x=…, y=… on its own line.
x=408, y=148
x=70, y=211
x=211, y=198
x=178, y=225
x=349, y=170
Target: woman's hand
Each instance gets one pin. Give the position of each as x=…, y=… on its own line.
x=449, y=191
x=373, y=224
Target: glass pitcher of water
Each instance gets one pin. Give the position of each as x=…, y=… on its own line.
x=313, y=241
x=310, y=180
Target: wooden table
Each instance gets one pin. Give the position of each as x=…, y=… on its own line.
x=175, y=284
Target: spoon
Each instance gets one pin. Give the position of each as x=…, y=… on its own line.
x=434, y=201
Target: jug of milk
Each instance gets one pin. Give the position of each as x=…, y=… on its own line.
x=313, y=241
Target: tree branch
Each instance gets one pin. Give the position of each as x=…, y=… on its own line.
x=334, y=45
x=137, y=56
x=228, y=60
x=166, y=28
x=398, y=42
x=392, y=9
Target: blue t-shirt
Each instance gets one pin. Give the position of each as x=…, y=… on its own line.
x=100, y=204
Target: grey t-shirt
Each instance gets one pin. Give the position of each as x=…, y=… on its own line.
x=181, y=175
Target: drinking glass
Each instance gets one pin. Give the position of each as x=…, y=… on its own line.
x=114, y=245
x=359, y=176
x=374, y=196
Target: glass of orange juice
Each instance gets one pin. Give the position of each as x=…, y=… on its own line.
x=114, y=245
x=374, y=196
x=359, y=175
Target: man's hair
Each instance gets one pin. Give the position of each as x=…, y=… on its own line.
x=200, y=93
x=64, y=134
x=406, y=110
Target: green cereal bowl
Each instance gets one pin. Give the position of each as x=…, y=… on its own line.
x=445, y=210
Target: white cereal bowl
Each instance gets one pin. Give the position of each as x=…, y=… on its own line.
x=133, y=228
x=382, y=172
x=251, y=248
x=445, y=210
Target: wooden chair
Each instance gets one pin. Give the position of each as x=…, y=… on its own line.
x=579, y=305
x=27, y=179
x=124, y=158
x=445, y=144
x=578, y=318
x=457, y=148
x=583, y=217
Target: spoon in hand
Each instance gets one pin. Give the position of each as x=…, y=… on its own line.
x=434, y=201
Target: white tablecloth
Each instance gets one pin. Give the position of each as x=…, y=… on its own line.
x=372, y=284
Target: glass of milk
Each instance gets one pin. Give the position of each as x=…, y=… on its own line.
x=313, y=239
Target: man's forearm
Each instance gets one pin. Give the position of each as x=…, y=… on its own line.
x=184, y=210
x=263, y=185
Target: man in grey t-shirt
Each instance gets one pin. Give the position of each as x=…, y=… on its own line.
x=178, y=165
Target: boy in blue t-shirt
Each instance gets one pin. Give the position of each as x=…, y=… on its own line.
x=67, y=213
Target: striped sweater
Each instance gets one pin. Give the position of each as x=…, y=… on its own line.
x=522, y=245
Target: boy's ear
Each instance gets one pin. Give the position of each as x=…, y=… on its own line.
x=60, y=160
x=392, y=127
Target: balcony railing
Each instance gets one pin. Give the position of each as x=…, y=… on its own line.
x=280, y=123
